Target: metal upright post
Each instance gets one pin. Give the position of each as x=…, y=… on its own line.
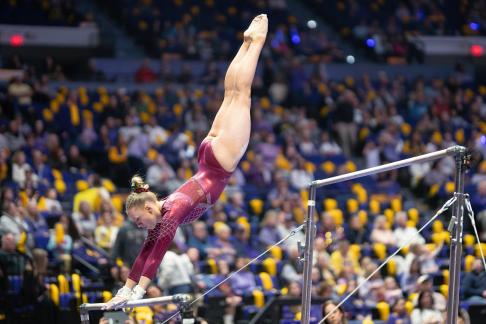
x=455, y=228
x=308, y=251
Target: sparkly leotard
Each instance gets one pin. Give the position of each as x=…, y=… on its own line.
x=183, y=206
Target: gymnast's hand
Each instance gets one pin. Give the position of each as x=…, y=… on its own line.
x=120, y=299
x=137, y=293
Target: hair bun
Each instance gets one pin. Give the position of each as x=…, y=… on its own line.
x=138, y=186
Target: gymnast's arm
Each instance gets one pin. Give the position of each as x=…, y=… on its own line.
x=130, y=290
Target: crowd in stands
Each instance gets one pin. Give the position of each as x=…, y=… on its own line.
x=67, y=155
x=388, y=29
x=39, y=12
x=206, y=30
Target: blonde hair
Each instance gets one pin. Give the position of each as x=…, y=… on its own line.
x=140, y=194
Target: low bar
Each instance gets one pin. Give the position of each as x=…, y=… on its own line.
x=178, y=299
x=453, y=150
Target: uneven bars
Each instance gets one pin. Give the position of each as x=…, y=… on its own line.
x=179, y=298
x=390, y=166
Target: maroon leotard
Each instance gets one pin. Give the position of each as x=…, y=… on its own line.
x=183, y=206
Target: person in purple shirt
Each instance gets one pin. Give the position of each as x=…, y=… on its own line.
x=243, y=282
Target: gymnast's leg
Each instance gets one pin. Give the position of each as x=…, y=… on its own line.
x=231, y=128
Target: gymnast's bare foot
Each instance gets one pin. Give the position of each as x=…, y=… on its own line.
x=257, y=31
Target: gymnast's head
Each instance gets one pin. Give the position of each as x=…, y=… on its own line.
x=142, y=206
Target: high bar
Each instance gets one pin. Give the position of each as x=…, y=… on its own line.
x=453, y=150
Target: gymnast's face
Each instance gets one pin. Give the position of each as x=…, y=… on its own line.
x=146, y=216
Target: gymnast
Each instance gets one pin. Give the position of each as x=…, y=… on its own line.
x=218, y=156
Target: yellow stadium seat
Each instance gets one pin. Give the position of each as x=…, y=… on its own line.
x=468, y=261
x=256, y=206
x=437, y=226
x=341, y=289
x=212, y=265
x=270, y=266
x=445, y=274
x=411, y=223
x=258, y=298
x=431, y=246
x=276, y=252
x=390, y=215
x=363, y=217
x=406, y=129
x=375, y=206
x=438, y=238
x=434, y=190
x=413, y=214
x=352, y=205
x=392, y=267
x=117, y=201
x=310, y=167
x=143, y=314
x=444, y=290
x=469, y=240
x=108, y=185
x=396, y=204
x=405, y=250
x=298, y=316
x=450, y=187
x=412, y=296
x=380, y=250
x=330, y=203
x=54, y=294
x=76, y=283
x=478, y=248
x=355, y=249
x=267, y=283
x=81, y=185
x=328, y=167
x=60, y=186
x=409, y=307
x=106, y=296
x=337, y=216
x=383, y=310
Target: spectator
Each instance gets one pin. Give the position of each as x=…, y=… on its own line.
x=11, y=220
x=381, y=232
x=198, y=238
x=243, y=282
x=356, y=232
x=11, y=261
x=127, y=243
x=175, y=273
x=336, y=317
x=425, y=312
x=106, y=232
x=403, y=233
x=85, y=220
x=474, y=284
x=424, y=283
x=20, y=169
x=222, y=247
x=20, y=91
x=145, y=74
x=269, y=233
x=61, y=244
x=399, y=313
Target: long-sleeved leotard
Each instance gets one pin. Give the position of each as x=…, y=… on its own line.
x=183, y=206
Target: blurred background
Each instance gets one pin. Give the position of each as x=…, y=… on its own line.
x=94, y=91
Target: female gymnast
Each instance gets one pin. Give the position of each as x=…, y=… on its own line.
x=218, y=156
